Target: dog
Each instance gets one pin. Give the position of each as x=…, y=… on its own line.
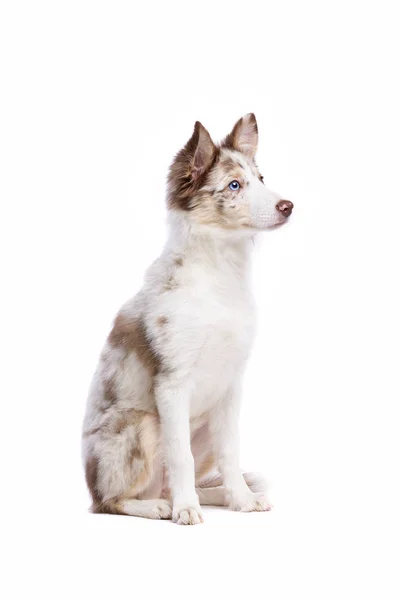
x=160, y=433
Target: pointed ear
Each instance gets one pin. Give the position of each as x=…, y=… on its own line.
x=203, y=151
x=185, y=173
x=244, y=136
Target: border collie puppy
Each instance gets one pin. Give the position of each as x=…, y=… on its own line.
x=160, y=434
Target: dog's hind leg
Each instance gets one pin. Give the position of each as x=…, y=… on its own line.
x=124, y=470
x=209, y=484
x=213, y=493
x=213, y=496
x=149, y=509
x=256, y=482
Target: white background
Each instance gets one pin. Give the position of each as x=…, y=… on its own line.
x=96, y=98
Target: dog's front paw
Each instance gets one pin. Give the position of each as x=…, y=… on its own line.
x=250, y=503
x=185, y=514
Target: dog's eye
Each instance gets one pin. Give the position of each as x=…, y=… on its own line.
x=261, y=178
x=234, y=185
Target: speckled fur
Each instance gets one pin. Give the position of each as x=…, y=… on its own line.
x=161, y=427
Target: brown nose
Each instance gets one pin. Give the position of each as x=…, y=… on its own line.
x=285, y=207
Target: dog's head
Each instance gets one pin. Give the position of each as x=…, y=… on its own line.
x=221, y=186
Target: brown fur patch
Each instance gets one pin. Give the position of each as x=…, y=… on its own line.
x=184, y=178
x=161, y=321
x=129, y=417
x=91, y=431
x=143, y=452
x=228, y=163
x=170, y=284
x=91, y=472
x=179, y=261
x=110, y=394
x=131, y=334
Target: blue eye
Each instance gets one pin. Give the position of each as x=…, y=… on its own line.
x=234, y=185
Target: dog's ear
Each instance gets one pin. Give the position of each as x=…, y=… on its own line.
x=202, y=149
x=188, y=167
x=244, y=136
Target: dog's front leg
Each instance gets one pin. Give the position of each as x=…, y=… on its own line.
x=225, y=429
x=173, y=403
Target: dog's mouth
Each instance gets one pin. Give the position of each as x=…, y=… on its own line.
x=277, y=225
x=282, y=220
x=268, y=227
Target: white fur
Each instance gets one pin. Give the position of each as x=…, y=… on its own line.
x=211, y=314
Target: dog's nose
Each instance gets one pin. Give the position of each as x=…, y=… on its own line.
x=285, y=207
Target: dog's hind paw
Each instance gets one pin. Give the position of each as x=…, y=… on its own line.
x=251, y=503
x=163, y=510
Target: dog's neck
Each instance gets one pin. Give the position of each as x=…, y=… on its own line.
x=210, y=247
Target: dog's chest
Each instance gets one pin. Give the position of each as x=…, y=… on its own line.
x=209, y=327
x=225, y=337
